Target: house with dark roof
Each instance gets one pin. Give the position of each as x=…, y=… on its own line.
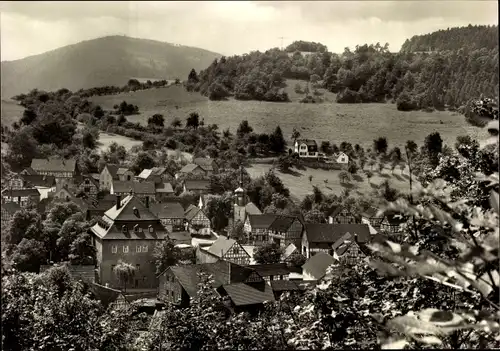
x=128, y=231
x=341, y=215
x=171, y=215
x=22, y=197
x=207, y=164
x=272, y=271
x=392, y=223
x=97, y=207
x=223, y=249
x=156, y=174
x=193, y=169
x=107, y=175
x=146, y=191
x=124, y=174
x=306, y=148
x=244, y=287
x=64, y=170
x=370, y=215
x=64, y=195
x=286, y=230
x=316, y=266
x=8, y=210
x=197, y=186
x=257, y=227
x=319, y=237
x=197, y=222
x=163, y=191
x=281, y=286
x=87, y=185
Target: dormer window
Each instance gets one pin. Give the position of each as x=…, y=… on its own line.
x=124, y=229
x=151, y=229
x=136, y=211
x=136, y=228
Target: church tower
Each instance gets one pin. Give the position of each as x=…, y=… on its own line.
x=239, y=208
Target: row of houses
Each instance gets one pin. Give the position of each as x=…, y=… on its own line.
x=308, y=149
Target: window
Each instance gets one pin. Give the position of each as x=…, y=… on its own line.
x=87, y=181
x=125, y=249
x=236, y=250
x=86, y=189
x=145, y=248
x=138, y=248
x=151, y=229
x=114, y=249
x=137, y=267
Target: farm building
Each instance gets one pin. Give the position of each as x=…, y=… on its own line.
x=306, y=148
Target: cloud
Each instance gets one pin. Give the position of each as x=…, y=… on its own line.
x=231, y=27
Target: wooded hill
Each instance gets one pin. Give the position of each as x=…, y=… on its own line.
x=369, y=73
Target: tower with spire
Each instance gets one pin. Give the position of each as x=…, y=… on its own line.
x=239, y=208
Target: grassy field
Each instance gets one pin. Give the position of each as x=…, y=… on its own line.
x=11, y=112
x=355, y=123
x=298, y=180
x=106, y=139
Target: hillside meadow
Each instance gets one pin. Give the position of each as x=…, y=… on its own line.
x=354, y=123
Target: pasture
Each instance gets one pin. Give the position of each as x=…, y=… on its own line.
x=11, y=112
x=354, y=123
x=300, y=186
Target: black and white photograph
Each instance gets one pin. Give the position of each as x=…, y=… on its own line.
x=249, y=175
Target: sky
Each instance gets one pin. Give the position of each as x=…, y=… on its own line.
x=231, y=27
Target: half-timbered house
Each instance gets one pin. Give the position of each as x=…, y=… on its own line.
x=286, y=230
x=22, y=197
x=197, y=221
x=144, y=190
x=223, y=249
x=257, y=228
x=197, y=186
x=342, y=215
x=171, y=215
x=370, y=215
x=63, y=170
x=88, y=186
x=272, y=271
x=8, y=210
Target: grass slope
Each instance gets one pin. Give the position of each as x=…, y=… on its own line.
x=104, y=61
x=298, y=180
x=355, y=123
x=10, y=112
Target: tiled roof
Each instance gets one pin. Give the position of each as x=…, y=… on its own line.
x=317, y=265
x=112, y=169
x=158, y=171
x=261, y=221
x=90, y=178
x=266, y=270
x=251, y=209
x=121, y=171
x=329, y=233
x=282, y=223
x=370, y=212
x=284, y=285
x=308, y=142
x=127, y=212
x=164, y=188
x=11, y=207
x=39, y=180
x=180, y=237
x=20, y=192
x=242, y=294
x=105, y=203
x=53, y=165
x=221, y=246
x=136, y=187
x=192, y=184
x=167, y=210
x=189, y=168
x=145, y=173
x=205, y=163
x=191, y=212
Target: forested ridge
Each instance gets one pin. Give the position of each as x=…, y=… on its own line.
x=447, y=77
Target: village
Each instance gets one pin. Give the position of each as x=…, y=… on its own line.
x=135, y=213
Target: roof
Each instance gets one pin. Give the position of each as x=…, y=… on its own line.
x=180, y=237
x=242, y=294
x=136, y=187
x=126, y=211
x=318, y=264
x=122, y=170
x=103, y=204
x=80, y=272
x=28, y=171
x=191, y=212
x=268, y=269
x=39, y=180
x=192, y=184
x=282, y=223
x=112, y=169
x=261, y=221
x=158, y=171
x=251, y=209
x=370, y=212
x=20, y=192
x=167, y=210
x=89, y=177
x=290, y=249
x=284, y=285
x=11, y=207
x=189, y=168
x=53, y=165
x=329, y=233
x=145, y=173
x=205, y=163
x=164, y=188
x=221, y=246
x=308, y=142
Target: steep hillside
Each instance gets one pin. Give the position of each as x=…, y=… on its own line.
x=470, y=37
x=109, y=60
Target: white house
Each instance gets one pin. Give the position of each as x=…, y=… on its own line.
x=341, y=158
x=306, y=148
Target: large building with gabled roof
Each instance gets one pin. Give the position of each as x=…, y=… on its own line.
x=128, y=231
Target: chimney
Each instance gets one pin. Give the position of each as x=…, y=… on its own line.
x=147, y=201
x=118, y=201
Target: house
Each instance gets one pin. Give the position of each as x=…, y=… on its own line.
x=8, y=210
x=124, y=174
x=207, y=164
x=197, y=186
x=128, y=231
x=197, y=221
x=16, y=181
x=257, y=227
x=63, y=170
x=107, y=175
x=248, y=297
x=286, y=230
x=319, y=237
x=316, y=266
x=171, y=215
x=347, y=250
x=22, y=197
x=179, y=284
x=28, y=171
x=44, y=183
x=370, y=215
x=88, y=186
x=155, y=174
x=146, y=191
x=163, y=191
x=272, y=271
x=97, y=207
x=392, y=223
x=281, y=286
x=194, y=170
x=291, y=254
x=342, y=215
x=306, y=148
x=223, y=249
x=341, y=158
